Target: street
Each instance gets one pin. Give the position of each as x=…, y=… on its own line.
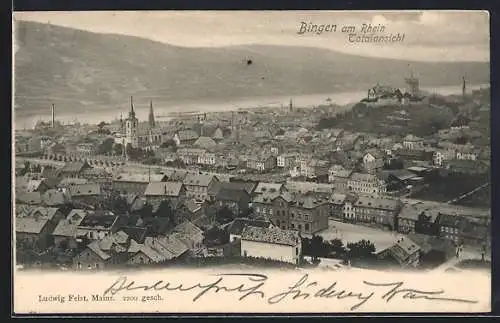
x=468, y=253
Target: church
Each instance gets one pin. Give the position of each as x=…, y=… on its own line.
x=141, y=135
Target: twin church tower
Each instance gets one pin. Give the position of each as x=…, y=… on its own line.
x=138, y=136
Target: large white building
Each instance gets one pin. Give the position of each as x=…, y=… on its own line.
x=366, y=184
x=271, y=243
x=412, y=142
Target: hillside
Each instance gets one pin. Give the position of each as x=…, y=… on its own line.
x=81, y=70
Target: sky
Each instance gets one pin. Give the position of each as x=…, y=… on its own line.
x=429, y=35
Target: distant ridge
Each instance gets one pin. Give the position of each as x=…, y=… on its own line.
x=79, y=70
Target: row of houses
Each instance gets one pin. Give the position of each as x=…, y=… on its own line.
x=302, y=206
x=100, y=239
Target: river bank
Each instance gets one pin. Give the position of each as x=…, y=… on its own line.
x=96, y=114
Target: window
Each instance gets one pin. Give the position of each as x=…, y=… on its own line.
x=300, y=227
x=307, y=226
x=293, y=226
x=297, y=251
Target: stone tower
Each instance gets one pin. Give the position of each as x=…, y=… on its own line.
x=131, y=126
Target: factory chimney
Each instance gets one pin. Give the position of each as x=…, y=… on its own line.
x=53, y=115
x=463, y=87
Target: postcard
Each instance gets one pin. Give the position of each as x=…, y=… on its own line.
x=279, y=162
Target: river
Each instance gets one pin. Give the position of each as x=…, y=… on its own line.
x=163, y=108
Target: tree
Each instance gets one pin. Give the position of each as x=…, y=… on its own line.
x=462, y=140
x=178, y=163
x=168, y=143
x=101, y=125
x=106, y=146
x=224, y=215
x=118, y=149
x=317, y=246
x=146, y=212
x=129, y=149
x=361, y=249
x=280, y=132
x=165, y=210
x=152, y=160
x=215, y=236
x=337, y=246
x=116, y=203
x=44, y=241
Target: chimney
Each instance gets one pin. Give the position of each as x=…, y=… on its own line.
x=463, y=86
x=152, y=123
x=53, y=115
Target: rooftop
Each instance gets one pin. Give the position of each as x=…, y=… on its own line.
x=235, y=195
x=191, y=205
x=268, y=187
x=198, y=179
x=404, y=248
x=74, y=167
x=303, y=187
x=187, y=135
x=247, y=186
x=98, y=221
x=172, y=189
x=205, y=142
x=338, y=198
x=30, y=224
x=378, y=203
x=239, y=224
x=90, y=189
x=272, y=235
x=362, y=177
x=68, y=227
x=139, y=178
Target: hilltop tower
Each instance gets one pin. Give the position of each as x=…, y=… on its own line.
x=413, y=85
x=131, y=126
x=290, y=105
x=152, y=123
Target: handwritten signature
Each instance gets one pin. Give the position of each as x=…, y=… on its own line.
x=304, y=288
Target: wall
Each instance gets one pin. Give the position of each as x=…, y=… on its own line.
x=272, y=251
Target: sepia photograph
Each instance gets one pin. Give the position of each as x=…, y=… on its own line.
x=251, y=161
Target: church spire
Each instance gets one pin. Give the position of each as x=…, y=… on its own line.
x=132, y=112
x=151, y=115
